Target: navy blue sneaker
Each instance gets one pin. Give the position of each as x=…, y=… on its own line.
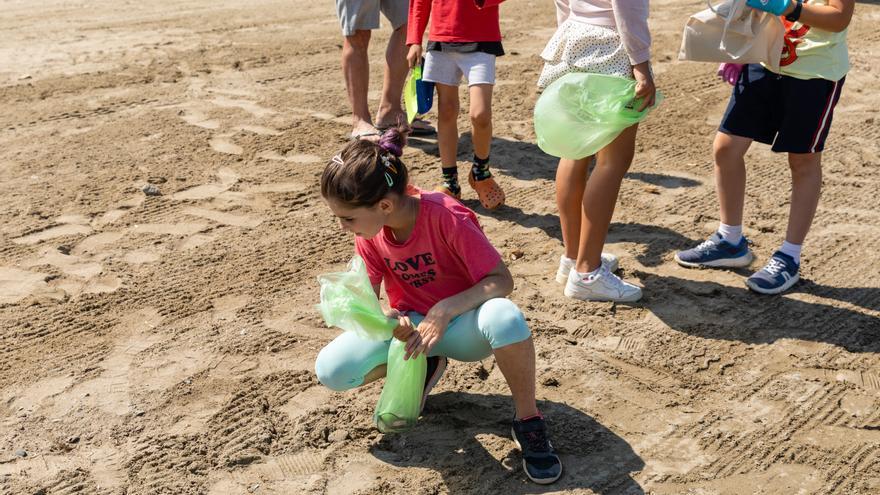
x=540, y=461
x=778, y=275
x=436, y=367
x=715, y=252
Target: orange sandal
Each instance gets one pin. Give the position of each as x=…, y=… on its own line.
x=490, y=193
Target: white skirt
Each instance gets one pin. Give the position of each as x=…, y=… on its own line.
x=581, y=47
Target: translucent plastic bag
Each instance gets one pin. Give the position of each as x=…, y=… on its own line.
x=418, y=94
x=349, y=302
x=580, y=113
x=401, y=400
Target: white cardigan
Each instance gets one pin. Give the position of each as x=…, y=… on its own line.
x=629, y=17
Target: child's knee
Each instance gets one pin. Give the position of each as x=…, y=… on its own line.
x=502, y=322
x=805, y=163
x=333, y=373
x=448, y=110
x=481, y=118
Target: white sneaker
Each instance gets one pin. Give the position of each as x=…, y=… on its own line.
x=566, y=264
x=601, y=286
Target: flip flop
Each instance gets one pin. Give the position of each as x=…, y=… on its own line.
x=365, y=134
x=421, y=127
x=490, y=193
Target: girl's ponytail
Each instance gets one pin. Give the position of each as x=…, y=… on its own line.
x=364, y=172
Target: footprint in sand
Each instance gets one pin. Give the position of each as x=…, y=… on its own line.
x=258, y=129
x=246, y=105
x=198, y=119
x=298, y=158
x=225, y=175
x=243, y=221
x=16, y=284
x=52, y=233
x=222, y=144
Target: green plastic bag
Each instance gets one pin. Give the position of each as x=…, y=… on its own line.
x=401, y=400
x=580, y=113
x=349, y=302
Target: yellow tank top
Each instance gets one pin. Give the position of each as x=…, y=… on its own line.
x=810, y=53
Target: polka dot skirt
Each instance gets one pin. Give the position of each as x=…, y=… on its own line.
x=581, y=47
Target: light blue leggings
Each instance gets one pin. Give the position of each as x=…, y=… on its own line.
x=471, y=336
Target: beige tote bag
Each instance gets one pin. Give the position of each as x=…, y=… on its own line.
x=732, y=32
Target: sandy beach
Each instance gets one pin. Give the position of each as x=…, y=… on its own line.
x=163, y=342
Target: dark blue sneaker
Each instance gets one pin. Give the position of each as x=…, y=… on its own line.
x=778, y=275
x=715, y=252
x=540, y=461
x=436, y=367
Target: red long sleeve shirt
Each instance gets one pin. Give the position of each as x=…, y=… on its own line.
x=453, y=21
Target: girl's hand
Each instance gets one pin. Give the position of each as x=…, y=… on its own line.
x=645, y=89
x=430, y=331
x=404, y=328
x=414, y=57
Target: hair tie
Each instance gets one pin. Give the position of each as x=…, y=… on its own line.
x=389, y=142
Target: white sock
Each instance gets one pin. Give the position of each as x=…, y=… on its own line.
x=584, y=275
x=793, y=250
x=731, y=233
x=565, y=260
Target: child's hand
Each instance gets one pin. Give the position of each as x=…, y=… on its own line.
x=404, y=328
x=645, y=89
x=414, y=57
x=430, y=331
x=730, y=72
x=775, y=7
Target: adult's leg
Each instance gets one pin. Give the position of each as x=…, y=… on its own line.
x=730, y=175
x=806, y=185
x=390, y=109
x=481, y=118
x=600, y=197
x=571, y=180
x=356, y=69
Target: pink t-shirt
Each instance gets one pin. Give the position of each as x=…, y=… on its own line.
x=446, y=254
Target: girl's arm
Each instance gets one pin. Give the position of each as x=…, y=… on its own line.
x=419, y=13
x=497, y=283
x=834, y=17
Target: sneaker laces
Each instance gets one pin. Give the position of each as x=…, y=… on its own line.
x=706, y=245
x=775, y=266
x=537, y=441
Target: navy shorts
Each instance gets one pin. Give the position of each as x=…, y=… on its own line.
x=793, y=115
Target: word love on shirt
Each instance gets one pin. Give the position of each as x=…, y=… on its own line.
x=414, y=270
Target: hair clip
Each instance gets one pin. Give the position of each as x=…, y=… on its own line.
x=337, y=160
x=388, y=166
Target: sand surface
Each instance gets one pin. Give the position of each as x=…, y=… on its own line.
x=165, y=343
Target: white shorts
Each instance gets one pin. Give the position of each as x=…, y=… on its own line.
x=448, y=67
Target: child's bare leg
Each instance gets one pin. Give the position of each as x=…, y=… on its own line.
x=600, y=197
x=517, y=364
x=806, y=184
x=730, y=175
x=481, y=118
x=571, y=180
x=447, y=123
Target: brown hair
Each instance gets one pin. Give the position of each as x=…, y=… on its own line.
x=364, y=172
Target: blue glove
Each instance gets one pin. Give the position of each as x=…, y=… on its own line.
x=775, y=7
